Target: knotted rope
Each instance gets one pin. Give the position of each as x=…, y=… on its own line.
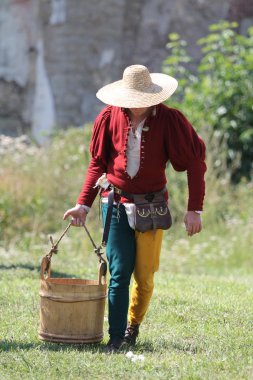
x=54, y=249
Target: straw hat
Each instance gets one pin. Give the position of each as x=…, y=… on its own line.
x=138, y=88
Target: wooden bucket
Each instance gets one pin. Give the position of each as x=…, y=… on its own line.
x=71, y=310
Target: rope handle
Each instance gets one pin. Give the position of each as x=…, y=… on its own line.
x=46, y=260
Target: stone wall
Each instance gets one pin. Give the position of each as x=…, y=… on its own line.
x=18, y=35
x=55, y=54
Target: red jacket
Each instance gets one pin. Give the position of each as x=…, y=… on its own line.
x=168, y=136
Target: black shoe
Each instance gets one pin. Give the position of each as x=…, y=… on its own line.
x=131, y=334
x=114, y=345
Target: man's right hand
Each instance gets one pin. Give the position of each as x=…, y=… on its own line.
x=78, y=214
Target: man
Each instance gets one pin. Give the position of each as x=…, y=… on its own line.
x=133, y=139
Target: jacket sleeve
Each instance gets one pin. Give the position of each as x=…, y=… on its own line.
x=99, y=149
x=186, y=151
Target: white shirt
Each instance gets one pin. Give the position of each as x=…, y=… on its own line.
x=133, y=165
x=133, y=150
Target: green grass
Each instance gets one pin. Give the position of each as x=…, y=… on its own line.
x=199, y=325
x=200, y=322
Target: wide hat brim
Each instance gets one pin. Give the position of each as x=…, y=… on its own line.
x=117, y=94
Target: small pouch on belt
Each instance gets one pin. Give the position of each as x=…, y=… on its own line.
x=152, y=212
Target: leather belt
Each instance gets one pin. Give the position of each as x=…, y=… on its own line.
x=130, y=195
x=122, y=192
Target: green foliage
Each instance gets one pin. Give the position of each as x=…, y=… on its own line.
x=219, y=96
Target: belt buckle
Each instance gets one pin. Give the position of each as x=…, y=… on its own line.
x=117, y=191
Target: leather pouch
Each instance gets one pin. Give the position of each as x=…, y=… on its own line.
x=152, y=212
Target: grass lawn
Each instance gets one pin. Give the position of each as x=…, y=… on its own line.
x=199, y=325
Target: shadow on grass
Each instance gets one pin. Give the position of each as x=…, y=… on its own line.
x=7, y=346
x=96, y=348
x=20, y=266
x=35, y=268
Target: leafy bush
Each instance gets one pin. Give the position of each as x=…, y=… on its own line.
x=219, y=96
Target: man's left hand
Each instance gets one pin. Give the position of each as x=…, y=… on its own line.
x=192, y=222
